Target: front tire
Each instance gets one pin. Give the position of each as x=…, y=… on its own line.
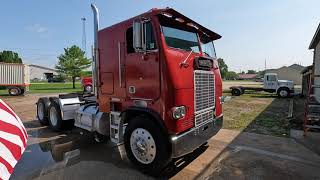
x=283, y=92
x=147, y=146
x=88, y=89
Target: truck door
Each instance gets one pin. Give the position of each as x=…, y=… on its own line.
x=270, y=82
x=142, y=68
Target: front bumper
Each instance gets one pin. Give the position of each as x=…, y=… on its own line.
x=192, y=139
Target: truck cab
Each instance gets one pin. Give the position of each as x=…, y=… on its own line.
x=282, y=87
x=157, y=87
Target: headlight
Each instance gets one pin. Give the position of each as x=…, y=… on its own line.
x=178, y=112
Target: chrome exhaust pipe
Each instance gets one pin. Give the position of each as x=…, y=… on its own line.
x=95, y=53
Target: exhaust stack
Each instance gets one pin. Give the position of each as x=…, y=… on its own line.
x=95, y=53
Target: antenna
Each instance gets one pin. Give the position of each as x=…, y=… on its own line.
x=84, y=39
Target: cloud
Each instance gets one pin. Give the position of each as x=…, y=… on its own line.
x=38, y=28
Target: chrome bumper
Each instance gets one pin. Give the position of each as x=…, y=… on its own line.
x=191, y=140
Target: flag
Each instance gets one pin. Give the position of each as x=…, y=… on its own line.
x=13, y=140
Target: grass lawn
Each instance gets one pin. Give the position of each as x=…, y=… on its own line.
x=261, y=113
x=50, y=88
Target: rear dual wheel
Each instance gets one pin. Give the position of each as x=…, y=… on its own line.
x=42, y=110
x=55, y=118
x=236, y=92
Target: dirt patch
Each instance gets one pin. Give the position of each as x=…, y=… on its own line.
x=25, y=106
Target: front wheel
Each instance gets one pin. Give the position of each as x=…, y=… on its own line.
x=283, y=92
x=88, y=89
x=147, y=146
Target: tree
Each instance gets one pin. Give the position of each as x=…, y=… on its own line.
x=231, y=75
x=223, y=67
x=252, y=72
x=72, y=63
x=261, y=73
x=10, y=57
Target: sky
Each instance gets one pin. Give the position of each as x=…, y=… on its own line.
x=278, y=32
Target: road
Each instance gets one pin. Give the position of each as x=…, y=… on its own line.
x=229, y=155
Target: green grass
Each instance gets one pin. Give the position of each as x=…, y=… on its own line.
x=50, y=88
x=261, y=113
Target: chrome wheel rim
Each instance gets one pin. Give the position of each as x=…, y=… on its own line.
x=143, y=146
x=14, y=91
x=40, y=111
x=88, y=88
x=283, y=93
x=53, y=116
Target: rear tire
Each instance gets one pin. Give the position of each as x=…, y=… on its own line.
x=147, y=146
x=236, y=92
x=14, y=91
x=42, y=110
x=283, y=92
x=55, y=117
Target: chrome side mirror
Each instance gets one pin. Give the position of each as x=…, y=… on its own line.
x=138, y=36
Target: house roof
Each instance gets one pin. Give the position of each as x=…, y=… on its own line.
x=297, y=67
x=306, y=69
x=315, y=39
x=247, y=76
x=42, y=67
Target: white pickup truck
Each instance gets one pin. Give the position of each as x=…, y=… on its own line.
x=271, y=84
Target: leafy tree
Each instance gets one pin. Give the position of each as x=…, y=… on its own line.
x=231, y=75
x=10, y=57
x=72, y=63
x=252, y=72
x=223, y=67
x=261, y=73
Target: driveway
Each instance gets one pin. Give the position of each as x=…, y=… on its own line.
x=229, y=155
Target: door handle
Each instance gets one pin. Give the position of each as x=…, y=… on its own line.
x=145, y=57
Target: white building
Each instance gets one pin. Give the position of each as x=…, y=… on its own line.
x=40, y=72
x=315, y=45
x=292, y=73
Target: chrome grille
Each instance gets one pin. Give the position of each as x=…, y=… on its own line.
x=203, y=117
x=204, y=92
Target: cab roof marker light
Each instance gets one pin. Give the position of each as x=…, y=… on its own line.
x=179, y=20
x=167, y=15
x=192, y=25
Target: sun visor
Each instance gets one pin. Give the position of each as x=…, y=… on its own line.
x=172, y=17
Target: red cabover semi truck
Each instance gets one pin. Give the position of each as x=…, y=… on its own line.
x=157, y=89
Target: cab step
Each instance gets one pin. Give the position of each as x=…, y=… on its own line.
x=116, y=127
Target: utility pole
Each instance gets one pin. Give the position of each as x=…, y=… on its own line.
x=265, y=64
x=84, y=39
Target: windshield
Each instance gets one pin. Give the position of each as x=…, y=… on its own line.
x=181, y=39
x=208, y=49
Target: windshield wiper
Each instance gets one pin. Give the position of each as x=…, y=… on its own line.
x=184, y=63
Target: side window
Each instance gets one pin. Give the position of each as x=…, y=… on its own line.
x=129, y=39
x=150, y=40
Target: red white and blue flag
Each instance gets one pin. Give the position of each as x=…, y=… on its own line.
x=13, y=140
